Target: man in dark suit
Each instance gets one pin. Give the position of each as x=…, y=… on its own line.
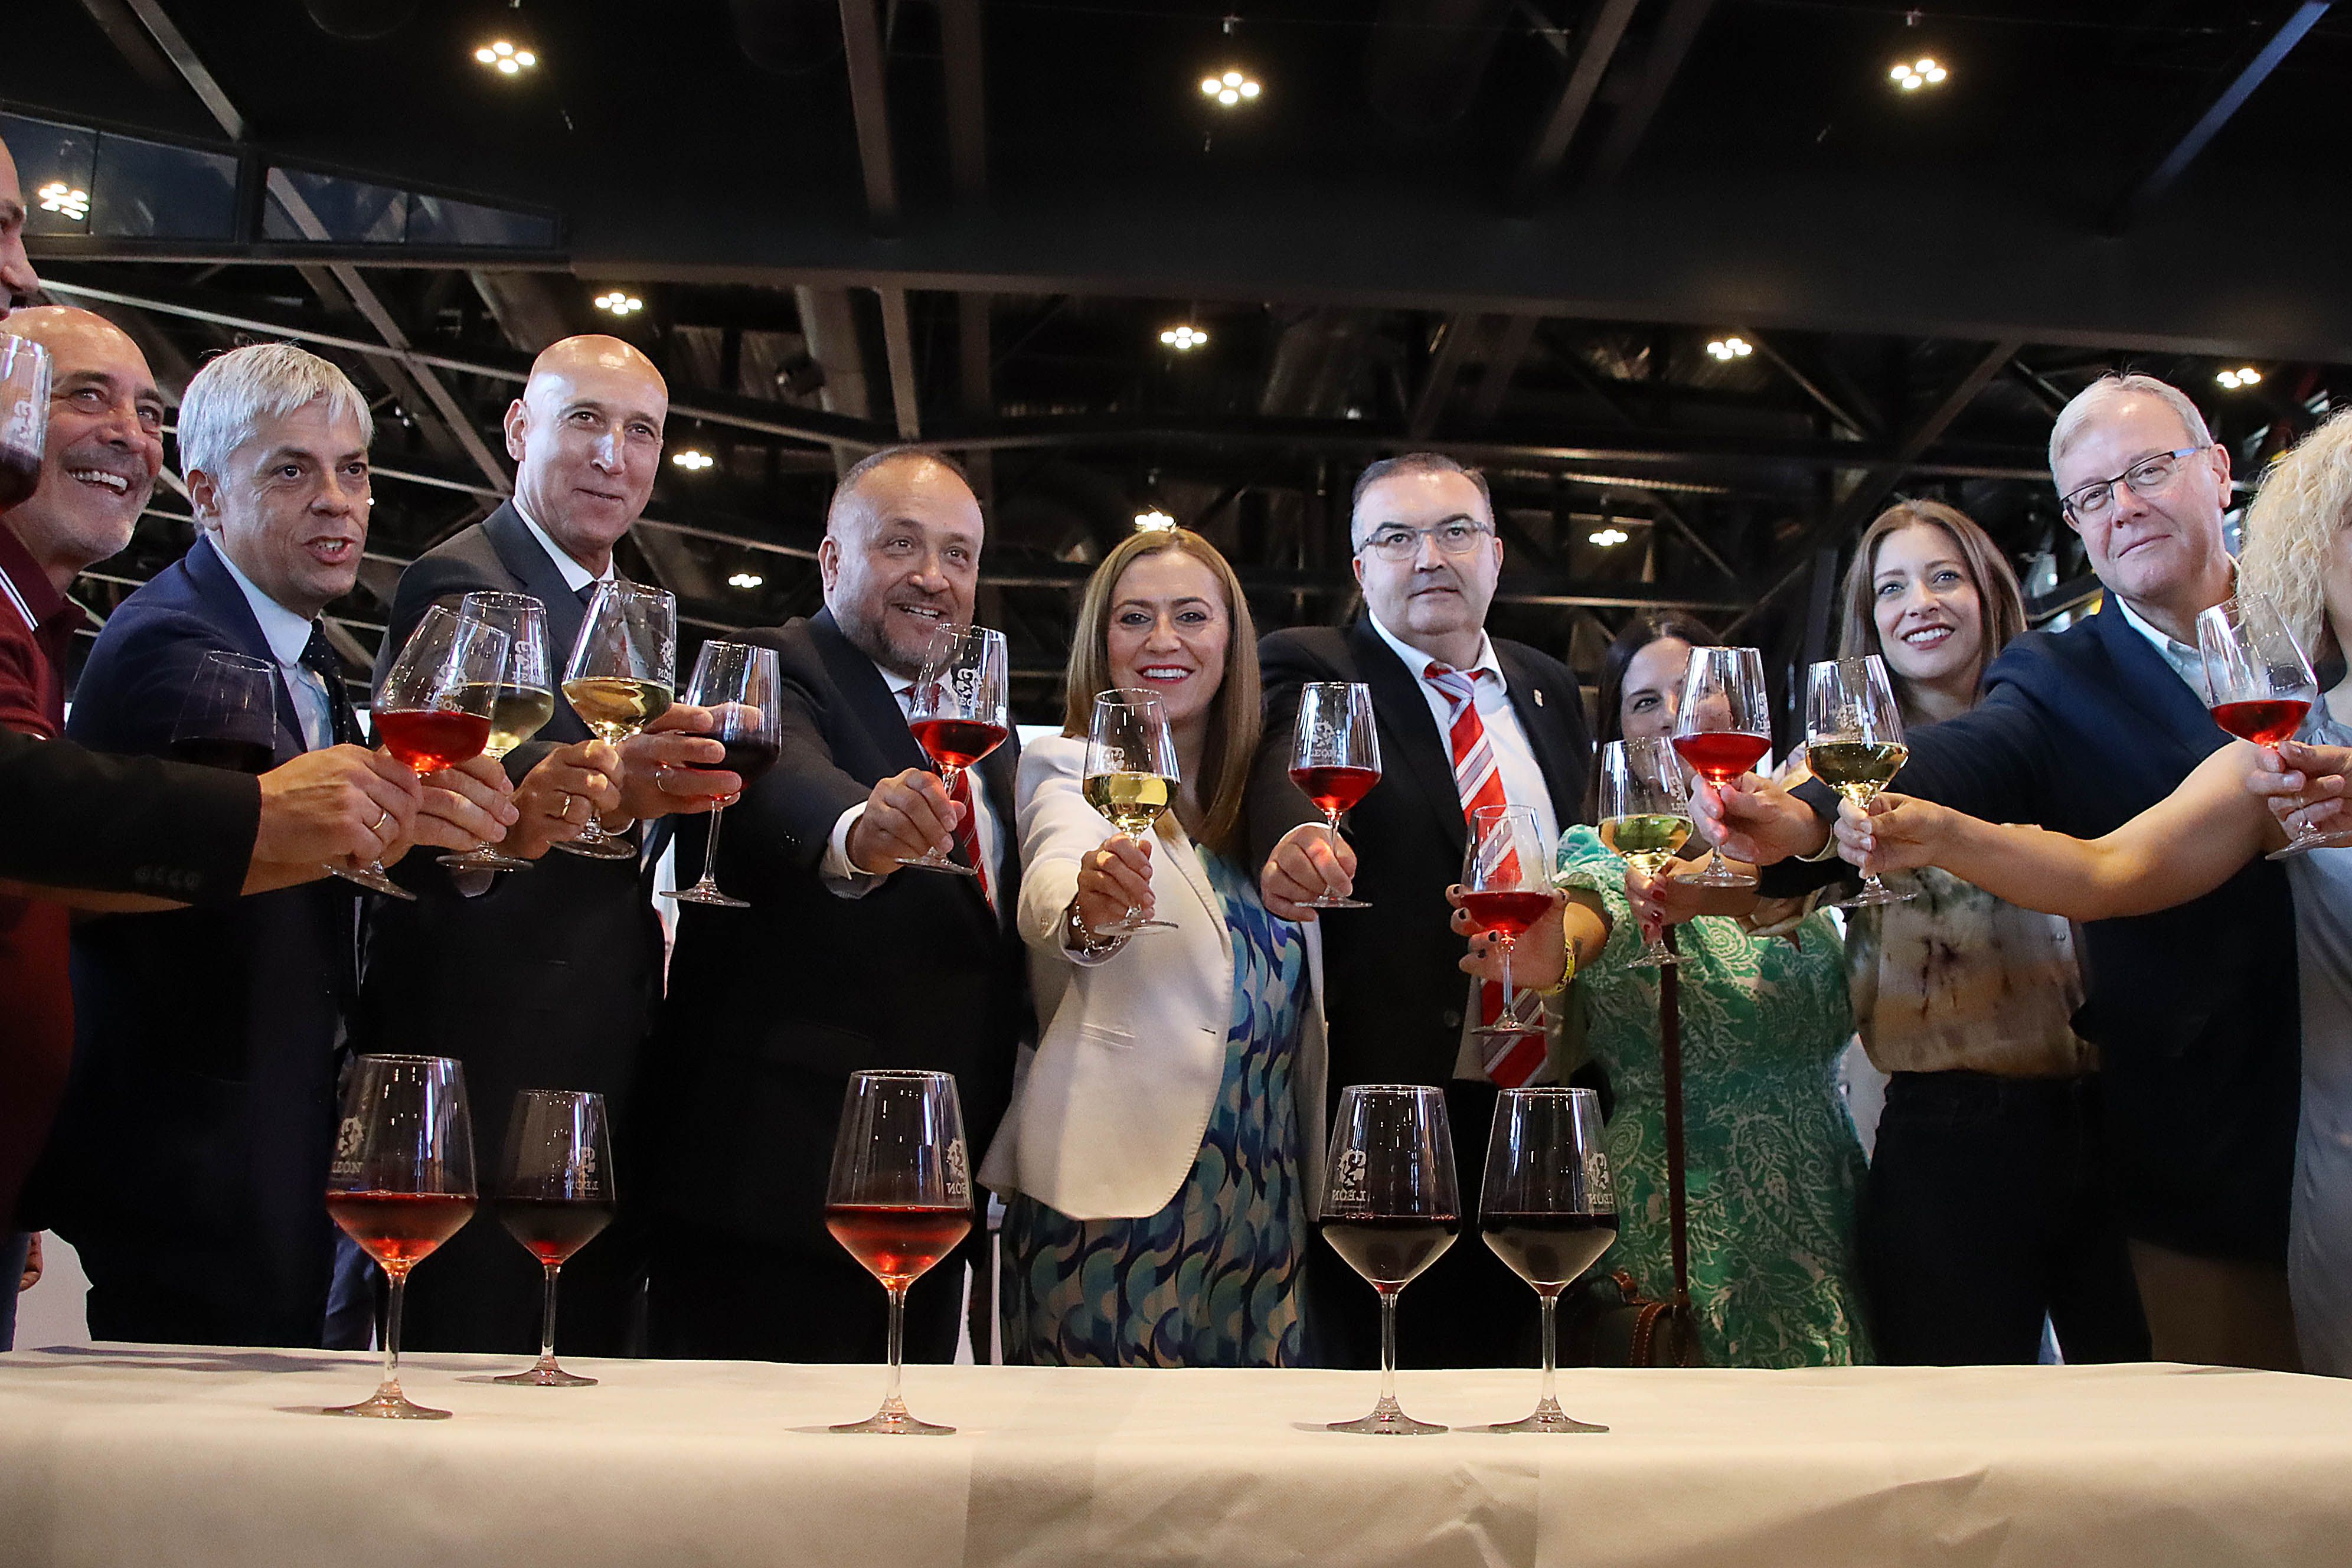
x=844, y=961
x=2194, y=1009
x=188, y=1161
x=1464, y=719
x=544, y=978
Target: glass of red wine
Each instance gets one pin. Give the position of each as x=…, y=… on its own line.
x=1335, y=757
x=401, y=1184
x=1549, y=1211
x=24, y=418
x=1505, y=887
x=960, y=712
x=229, y=717
x=1391, y=1207
x=739, y=684
x=432, y=706
x=523, y=702
x=2258, y=686
x=1722, y=730
x=554, y=1195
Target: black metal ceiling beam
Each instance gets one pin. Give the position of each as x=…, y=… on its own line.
x=1569, y=106
x=861, y=39
x=967, y=97
x=1854, y=423
x=898, y=353
x=1511, y=345
x=1455, y=337
x=1668, y=46
x=2270, y=48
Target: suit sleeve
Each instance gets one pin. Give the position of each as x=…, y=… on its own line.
x=124, y=825
x=795, y=806
x=1277, y=806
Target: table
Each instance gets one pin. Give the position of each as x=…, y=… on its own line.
x=152, y=1454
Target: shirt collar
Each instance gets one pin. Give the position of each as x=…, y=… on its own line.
x=575, y=576
x=2187, y=662
x=23, y=584
x=287, y=634
x=1418, y=662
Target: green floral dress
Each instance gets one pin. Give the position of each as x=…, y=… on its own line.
x=1774, y=1167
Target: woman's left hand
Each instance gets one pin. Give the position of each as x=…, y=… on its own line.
x=2305, y=786
x=1538, y=958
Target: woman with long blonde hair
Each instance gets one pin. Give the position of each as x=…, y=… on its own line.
x=1153, y=1161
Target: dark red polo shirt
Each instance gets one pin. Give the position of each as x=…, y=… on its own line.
x=37, y=1033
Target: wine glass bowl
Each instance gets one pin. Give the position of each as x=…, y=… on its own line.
x=960, y=712
x=1507, y=887
x=1644, y=810
x=739, y=684
x=521, y=700
x=24, y=418
x=1390, y=1208
x=229, y=717
x=1131, y=775
x=1547, y=1208
x=1723, y=728
x=2260, y=686
x=555, y=1195
x=621, y=677
x=1854, y=743
x=1335, y=758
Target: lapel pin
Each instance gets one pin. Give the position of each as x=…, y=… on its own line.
x=1538, y=695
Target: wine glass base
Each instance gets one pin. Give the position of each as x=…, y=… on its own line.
x=1726, y=878
x=482, y=859
x=1335, y=904
x=1132, y=928
x=1549, y=1417
x=709, y=897
x=927, y=864
x=894, y=1422
x=1652, y=958
x=2316, y=841
x=373, y=878
x=1504, y=1029
x=605, y=849
x=1870, y=897
x=389, y=1404
x=1386, y=1421
x=547, y=1374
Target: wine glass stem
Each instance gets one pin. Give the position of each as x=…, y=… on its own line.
x=897, y=1335
x=547, y=1319
x=1134, y=911
x=1551, y=1348
x=399, y=1277
x=1388, y=1344
x=1510, y=997
x=709, y=864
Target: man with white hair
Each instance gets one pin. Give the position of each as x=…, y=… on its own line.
x=187, y=1162
x=2194, y=1009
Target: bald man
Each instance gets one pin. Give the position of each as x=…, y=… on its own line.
x=844, y=961
x=544, y=978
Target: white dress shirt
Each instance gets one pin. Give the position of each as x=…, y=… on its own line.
x=2187, y=660
x=1523, y=781
x=575, y=576
x=288, y=634
x=848, y=881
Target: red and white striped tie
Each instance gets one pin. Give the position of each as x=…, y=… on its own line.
x=967, y=832
x=1510, y=1060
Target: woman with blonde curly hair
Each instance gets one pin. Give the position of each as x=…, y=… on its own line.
x=2298, y=552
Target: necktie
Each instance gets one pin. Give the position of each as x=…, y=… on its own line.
x=1510, y=1060
x=320, y=658
x=967, y=833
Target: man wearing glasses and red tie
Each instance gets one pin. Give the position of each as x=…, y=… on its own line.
x=1465, y=720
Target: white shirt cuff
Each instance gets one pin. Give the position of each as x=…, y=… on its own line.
x=841, y=878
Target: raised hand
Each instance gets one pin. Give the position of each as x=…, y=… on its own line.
x=654, y=777
x=1309, y=862
x=1897, y=832
x=1755, y=820
x=907, y=816
x=1113, y=880
x=2306, y=787
x=340, y=803
x=558, y=797
x=1538, y=958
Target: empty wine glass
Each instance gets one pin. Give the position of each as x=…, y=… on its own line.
x=401, y=1183
x=1131, y=775
x=229, y=717
x=1335, y=758
x=1391, y=1207
x=899, y=1200
x=739, y=684
x=1549, y=1211
x=621, y=676
x=1854, y=743
x=1722, y=728
x=522, y=701
x=2258, y=686
x=960, y=712
x=1644, y=816
x=554, y=1195
x=24, y=418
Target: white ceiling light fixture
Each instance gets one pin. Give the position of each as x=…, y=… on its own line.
x=1730, y=348
x=1229, y=90
x=507, y=58
x=56, y=196
x=745, y=580
x=1183, y=338
x=620, y=302
x=1912, y=74
x=2243, y=376
x=1154, y=521
x=693, y=461
x=1610, y=537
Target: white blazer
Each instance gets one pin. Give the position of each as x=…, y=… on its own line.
x=1109, y=1110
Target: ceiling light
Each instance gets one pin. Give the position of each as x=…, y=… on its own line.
x=1731, y=348
x=1912, y=74
x=1184, y=338
x=2244, y=376
x=1229, y=89
x=1606, y=537
x=1154, y=521
x=56, y=196
x=745, y=580
x=506, y=58
x=619, y=304
x=692, y=461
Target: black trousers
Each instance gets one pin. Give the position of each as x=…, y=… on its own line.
x=713, y=1297
x=1988, y=1207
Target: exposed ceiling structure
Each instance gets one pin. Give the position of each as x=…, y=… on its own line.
x=1697, y=281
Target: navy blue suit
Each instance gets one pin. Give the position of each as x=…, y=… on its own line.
x=2194, y=1009
x=189, y=1162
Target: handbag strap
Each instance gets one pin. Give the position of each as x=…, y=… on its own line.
x=1670, y=1053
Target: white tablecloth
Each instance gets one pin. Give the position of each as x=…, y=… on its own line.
x=154, y=1456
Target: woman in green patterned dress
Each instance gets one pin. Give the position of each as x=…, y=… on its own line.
x=1151, y=1160
x=1774, y=1169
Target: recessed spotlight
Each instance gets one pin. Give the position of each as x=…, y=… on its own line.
x=506, y=58
x=1607, y=537
x=1731, y=348
x=1183, y=338
x=745, y=580
x=1912, y=74
x=56, y=196
x=692, y=461
x=1230, y=88
x=2243, y=376
x=1154, y=521
x=619, y=303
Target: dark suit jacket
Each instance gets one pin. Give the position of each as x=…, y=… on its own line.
x=548, y=979
x=771, y=1009
x=2195, y=1009
x=192, y=1149
x=1394, y=996
x=123, y=825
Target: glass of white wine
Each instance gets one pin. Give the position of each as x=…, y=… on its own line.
x=521, y=700
x=1644, y=815
x=622, y=677
x=1132, y=774
x=1853, y=743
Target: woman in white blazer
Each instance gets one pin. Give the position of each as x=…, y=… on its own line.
x=1156, y=1155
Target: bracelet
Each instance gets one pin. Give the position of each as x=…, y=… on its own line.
x=1567, y=974
x=1078, y=938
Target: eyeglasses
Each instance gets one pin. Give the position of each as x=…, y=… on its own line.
x=2150, y=476
x=1394, y=541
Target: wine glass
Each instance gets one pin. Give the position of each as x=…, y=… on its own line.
x=554, y=1195
x=24, y=418
x=1131, y=774
x=432, y=706
x=739, y=684
x=900, y=1199
x=1644, y=816
x=1335, y=758
x=1505, y=887
x=523, y=700
x=229, y=717
x=959, y=712
x=401, y=1184
x=622, y=675
x=2260, y=686
x=1854, y=743
x=1721, y=730
x=1390, y=1208
x=1549, y=1211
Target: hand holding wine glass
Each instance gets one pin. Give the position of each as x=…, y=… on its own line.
x=401, y=1184
x=1723, y=728
x=1854, y=730
x=432, y=706
x=1548, y=1210
x=739, y=686
x=1335, y=760
x=555, y=1195
x=2260, y=686
x=1132, y=775
x=621, y=676
x=1390, y=1208
x=1645, y=817
x=959, y=712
